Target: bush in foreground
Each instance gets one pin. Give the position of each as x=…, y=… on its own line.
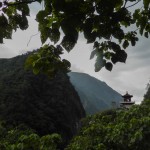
x=115, y=130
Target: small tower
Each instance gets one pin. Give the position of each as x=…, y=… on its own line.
x=127, y=103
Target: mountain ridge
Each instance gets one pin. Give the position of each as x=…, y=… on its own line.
x=95, y=95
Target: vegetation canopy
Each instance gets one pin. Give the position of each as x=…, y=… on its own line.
x=111, y=26
x=115, y=130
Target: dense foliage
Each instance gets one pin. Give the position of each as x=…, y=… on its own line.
x=21, y=138
x=102, y=22
x=115, y=130
x=43, y=104
x=48, y=61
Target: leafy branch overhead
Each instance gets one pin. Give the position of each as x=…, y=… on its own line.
x=47, y=60
x=102, y=22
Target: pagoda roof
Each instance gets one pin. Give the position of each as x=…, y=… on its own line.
x=127, y=103
x=127, y=95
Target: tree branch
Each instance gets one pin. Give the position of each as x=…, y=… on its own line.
x=134, y=4
x=31, y=38
x=125, y=3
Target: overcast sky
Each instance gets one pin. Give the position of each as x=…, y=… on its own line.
x=132, y=76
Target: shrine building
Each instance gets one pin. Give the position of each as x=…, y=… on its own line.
x=127, y=102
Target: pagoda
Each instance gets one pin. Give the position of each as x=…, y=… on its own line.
x=127, y=103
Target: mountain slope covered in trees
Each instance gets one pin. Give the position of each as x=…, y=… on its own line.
x=95, y=95
x=43, y=104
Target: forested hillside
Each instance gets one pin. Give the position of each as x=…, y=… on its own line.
x=120, y=129
x=43, y=104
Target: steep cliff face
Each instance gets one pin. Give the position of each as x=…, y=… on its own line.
x=95, y=95
x=42, y=104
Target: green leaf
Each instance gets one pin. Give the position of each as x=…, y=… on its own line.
x=146, y=34
x=48, y=61
x=53, y=22
x=29, y=61
x=23, y=23
x=41, y=16
x=24, y=8
x=58, y=5
x=93, y=53
x=43, y=38
x=119, y=3
x=108, y=55
x=100, y=62
x=120, y=56
x=146, y=4
x=54, y=35
x=109, y=66
x=118, y=33
x=125, y=44
x=133, y=42
x=96, y=45
x=115, y=47
x=114, y=59
x=136, y=14
x=66, y=64
x=69, y=42
x=48, y=6
x=3, y=21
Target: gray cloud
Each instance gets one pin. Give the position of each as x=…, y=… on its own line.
x=134, y=75
x=6, y=52
x=75, y=68
x=131, y=76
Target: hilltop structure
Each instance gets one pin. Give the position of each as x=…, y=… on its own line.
x=127, y=103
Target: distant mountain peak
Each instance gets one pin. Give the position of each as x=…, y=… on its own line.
x=95, y=95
